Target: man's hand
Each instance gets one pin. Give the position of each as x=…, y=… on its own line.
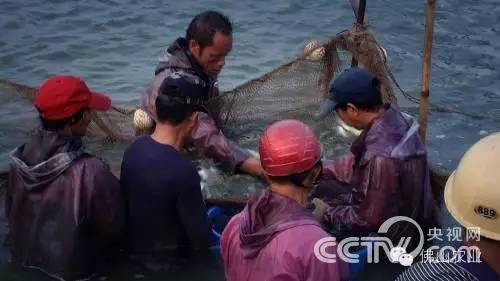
x=252, y=167
x=319, y=208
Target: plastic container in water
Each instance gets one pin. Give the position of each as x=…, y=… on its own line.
x=356, y=268
x=213, y=213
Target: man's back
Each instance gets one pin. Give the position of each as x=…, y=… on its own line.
x=274, y=239
x=64, y=208
x=165, y=206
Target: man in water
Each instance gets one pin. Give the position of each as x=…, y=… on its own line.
x=201, y=54
x=166, y=219
x=472, y=196
x=386, y=172
x=274, y=237
x=63, y=205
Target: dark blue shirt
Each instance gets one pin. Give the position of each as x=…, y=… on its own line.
x=165, y=208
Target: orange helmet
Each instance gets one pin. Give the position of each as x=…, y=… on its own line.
x=288, y=147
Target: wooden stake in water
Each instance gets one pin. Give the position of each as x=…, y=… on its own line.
x=360, y=9
x=426, y=69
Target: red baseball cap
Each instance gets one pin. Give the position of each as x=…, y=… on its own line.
x=62, y=96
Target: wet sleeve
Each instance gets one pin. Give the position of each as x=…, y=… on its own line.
x=379, y=184
x=340, y=169
x=147, y=102
x=107, y=210
x=211, y=142
x=192, y=213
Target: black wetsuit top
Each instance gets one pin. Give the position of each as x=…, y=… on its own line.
x=165, y=208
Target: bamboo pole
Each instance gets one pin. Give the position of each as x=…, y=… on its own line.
x=426, y=69
x=360, y=19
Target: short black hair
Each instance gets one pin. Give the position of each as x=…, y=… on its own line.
x=296, y=179
x=203, y=27
x=172, y=110
x=363, y=107
x=56, y=125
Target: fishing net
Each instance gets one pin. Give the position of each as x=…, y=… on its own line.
x=293, y=90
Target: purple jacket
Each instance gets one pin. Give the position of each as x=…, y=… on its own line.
x=273, y=238
x=64, y=207
x=387, y=175
x=206, y=137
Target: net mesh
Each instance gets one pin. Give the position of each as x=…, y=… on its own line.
x=292, y=90
x=296, y=89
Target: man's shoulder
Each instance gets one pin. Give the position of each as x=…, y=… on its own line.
x=138, y=141
x=394, y=135
x=235, y=220
x=136, y=144
x=302, y=238
x=182, y=167
x=91, y=164
x=299, y=243
x=308, y=233
x=145, y=148
x=89, y=169
x=231, y=232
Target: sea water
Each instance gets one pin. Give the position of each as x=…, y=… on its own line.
x=114, y=46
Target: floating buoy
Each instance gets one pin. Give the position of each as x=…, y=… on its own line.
x=315, y=51
x=142, y=121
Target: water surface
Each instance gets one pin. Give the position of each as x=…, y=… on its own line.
x=114, y=46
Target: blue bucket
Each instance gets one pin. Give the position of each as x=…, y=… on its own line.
x=356, y=268
x=213, y=212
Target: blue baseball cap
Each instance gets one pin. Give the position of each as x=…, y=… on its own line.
x=354, y=85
